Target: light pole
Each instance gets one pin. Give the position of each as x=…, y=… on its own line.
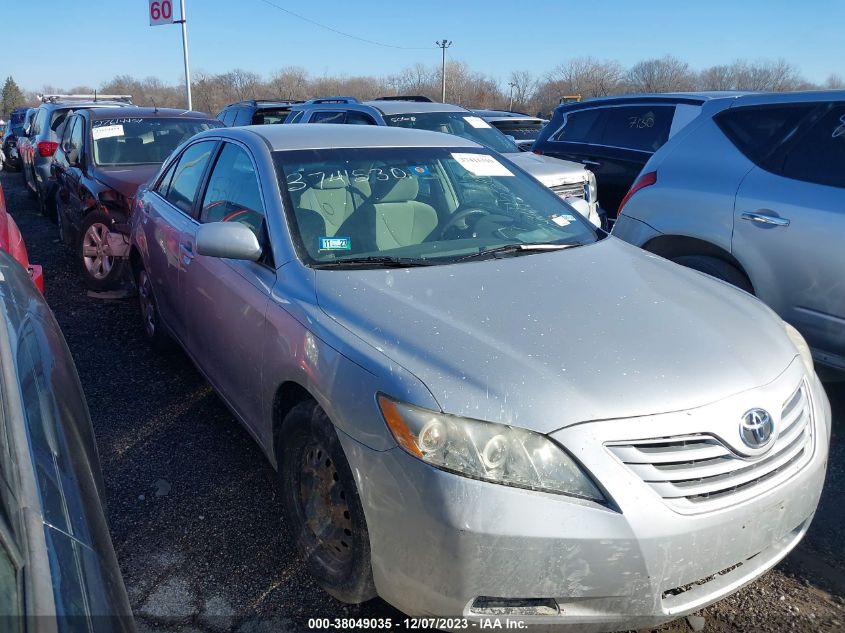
x=184, y=24
x=442, y=45
x=512, y=85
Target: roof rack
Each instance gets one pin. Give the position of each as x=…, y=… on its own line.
x=255, y=102
x=333, y=100
x=417, y=98
x=91, y=97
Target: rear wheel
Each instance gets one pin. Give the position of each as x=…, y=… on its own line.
x=150, y=319
x=100, y=268
x=717, y=268
x=321, y=505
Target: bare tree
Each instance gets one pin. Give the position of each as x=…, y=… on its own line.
x=290, y=82
x=835, y=82
x=666, y=74
x=524, y=86
x=717, y=78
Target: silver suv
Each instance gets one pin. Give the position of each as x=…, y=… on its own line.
x=42, y=140
x=753, y=192
x=570, y=181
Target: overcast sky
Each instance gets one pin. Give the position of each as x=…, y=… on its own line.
x=98, y=39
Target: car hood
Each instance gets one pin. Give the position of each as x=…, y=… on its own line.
x=126, y=180
x=549, y=171
x=547, y=340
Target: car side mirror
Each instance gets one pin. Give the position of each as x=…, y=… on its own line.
x=231, y=240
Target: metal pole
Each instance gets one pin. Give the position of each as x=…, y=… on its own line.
x=511, y=84
x=443, y=45
x=185, y=51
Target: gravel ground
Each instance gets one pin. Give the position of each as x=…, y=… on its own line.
x=192, y=502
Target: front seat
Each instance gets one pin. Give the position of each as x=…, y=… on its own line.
x=400, y=220
x=334, y=200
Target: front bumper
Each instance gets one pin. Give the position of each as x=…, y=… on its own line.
x=440, y=541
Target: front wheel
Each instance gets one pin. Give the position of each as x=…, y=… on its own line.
x=321, y=505
x=100, y=268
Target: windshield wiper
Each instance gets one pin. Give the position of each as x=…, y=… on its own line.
x=514, y=249
x=375, y=261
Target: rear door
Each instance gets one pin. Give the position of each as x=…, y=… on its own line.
x=168, y=225
x=225, y=299
x=790, y=219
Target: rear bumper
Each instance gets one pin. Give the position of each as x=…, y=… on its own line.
x=441, y=541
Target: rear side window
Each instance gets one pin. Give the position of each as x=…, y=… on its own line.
x=294, y=118
x=243, y=117
x=757, y=131
x=188, y=174
x=358, y=118
x=582, y=126
x=644, y=127
x=818, y=155
x=269, y=116
x=328, y=117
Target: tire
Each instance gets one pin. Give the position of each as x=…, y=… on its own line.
x=47, y=204
x=100, y=270
x=321, y=505
x=716, y=268
x=153, y=329
x=65, y=235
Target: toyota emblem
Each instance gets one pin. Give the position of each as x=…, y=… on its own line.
x=757, y=429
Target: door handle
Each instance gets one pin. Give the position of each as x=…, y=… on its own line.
x=594, y=163
x=187, y=252
x=765, y=218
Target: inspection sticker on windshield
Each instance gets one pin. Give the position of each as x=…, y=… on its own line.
x=106, y=131
x=476, y=121
x=419, y=170
x=481, y=164
x=563, y=220
x=335, y=244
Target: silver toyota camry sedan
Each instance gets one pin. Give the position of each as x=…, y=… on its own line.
x=478, y=404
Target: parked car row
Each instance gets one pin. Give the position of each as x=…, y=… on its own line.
x=399, y=408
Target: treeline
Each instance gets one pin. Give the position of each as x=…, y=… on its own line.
x=585, y=76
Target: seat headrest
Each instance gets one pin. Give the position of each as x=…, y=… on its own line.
x=399, y=190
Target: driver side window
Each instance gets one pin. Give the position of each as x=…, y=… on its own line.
x=233, y=193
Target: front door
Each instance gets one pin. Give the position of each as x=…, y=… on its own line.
x=226, y=300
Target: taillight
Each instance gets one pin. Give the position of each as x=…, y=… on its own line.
x=537, y=151
x=646, y=180
x=47, y=148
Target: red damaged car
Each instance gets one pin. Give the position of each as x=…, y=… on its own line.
x=12, y=242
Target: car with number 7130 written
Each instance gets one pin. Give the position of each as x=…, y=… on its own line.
x=428, y=379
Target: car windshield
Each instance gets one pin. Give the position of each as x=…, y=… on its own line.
x=463, y=124
x=419, y=206
x=138, y=141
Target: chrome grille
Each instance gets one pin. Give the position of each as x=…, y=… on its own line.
x=574, y=190
x=699, y=472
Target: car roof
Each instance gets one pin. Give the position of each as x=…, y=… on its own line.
x=407, y=107
x=328, y=136
x=146, y=113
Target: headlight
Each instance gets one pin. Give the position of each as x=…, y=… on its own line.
x=803, y=349
x=484, y=450
x=592, y=188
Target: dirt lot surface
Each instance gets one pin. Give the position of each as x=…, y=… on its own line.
x=193, y=508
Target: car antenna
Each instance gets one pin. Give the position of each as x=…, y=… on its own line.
x=155, y=107
x=95, y=96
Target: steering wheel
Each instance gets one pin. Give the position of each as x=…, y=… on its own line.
x=461, y=217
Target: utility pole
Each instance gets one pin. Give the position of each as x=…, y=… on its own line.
x=512, y=85
x=442, y=45
x=184, y=23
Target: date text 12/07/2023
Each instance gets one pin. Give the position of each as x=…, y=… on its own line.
x=416, y=624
